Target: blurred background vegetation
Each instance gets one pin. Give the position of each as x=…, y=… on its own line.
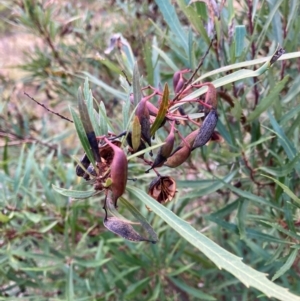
x=54, y=248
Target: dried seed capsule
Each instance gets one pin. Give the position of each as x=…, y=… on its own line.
x=123, y=229
x=165, y=150
x=162, y=189
x=211, y=96
x=142, y=113
x=182, y=152
x=91, y=170
x=206, y=130
x=118, y=172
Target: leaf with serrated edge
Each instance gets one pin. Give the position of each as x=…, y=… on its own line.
x=222, y=258
x=286, y=189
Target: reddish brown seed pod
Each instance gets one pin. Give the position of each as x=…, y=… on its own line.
x=182, y=152
x=142, y=112
x=206, y=130
x=153, y=110
x=211, y=100
x=118, y=172
x=165, y=150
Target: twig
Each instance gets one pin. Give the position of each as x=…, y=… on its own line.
x=27, y=140
x=253, y=48
x=42, y=105
x=196, y=70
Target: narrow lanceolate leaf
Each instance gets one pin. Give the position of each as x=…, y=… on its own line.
x=286, y=189
x=233, y=77
x=82, y=136
x=287, y=265
x=162, y=111
x=87, y=125
x=75, y=194
x=267, y=101
x=222, y=258
x=240, y=33
x=170, y=16
x=194, y=18
x=136, y=133
x=136, y=87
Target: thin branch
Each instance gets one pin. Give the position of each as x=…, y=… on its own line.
x=196, y=70
x=42, y=105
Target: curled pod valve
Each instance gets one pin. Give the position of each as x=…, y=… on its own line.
x=206, y=130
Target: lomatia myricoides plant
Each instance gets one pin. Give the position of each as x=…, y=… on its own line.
x=109, y=171
x=105, y=162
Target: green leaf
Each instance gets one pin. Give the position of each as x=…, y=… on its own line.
x=287, y=265
x=285, y=189
x=230, y=78
x=194, y=18
x=267, y=101
x=106, y=87
x=242, y=217
x=170, y=16
x=137, y=90
x=190, y=290
x=283, y=170
x=135, y=289
x=75, y=194
x=82, y=136
x=136, y=133
x=222, y=258
x=240, y=33
x=87, y=125
x=103, y=120
x=163, y=108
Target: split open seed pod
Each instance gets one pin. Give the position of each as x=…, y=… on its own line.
x=162, y=189
x=182, y=152
x=206, y=130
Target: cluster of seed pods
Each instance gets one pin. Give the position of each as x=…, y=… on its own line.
x=112, y=166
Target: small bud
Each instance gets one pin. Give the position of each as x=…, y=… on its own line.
x=118, y=172
x=162, y=189
x=206, y=130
